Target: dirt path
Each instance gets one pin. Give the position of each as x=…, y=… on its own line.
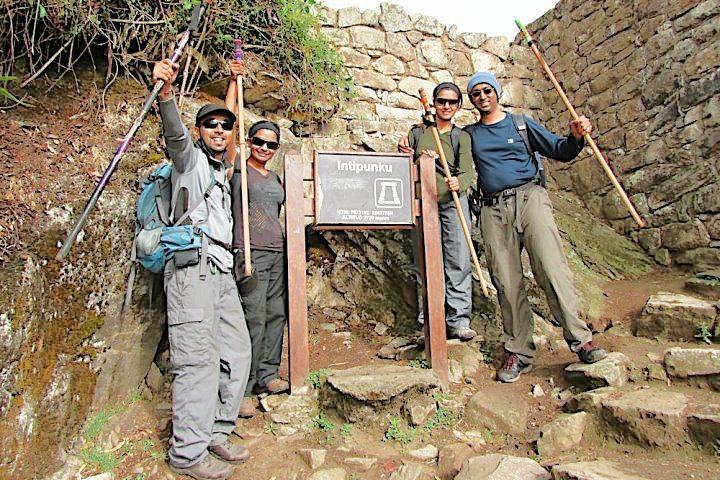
x=625, y=299
x=276, y=457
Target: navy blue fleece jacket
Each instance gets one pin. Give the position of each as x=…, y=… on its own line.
x=501, y=159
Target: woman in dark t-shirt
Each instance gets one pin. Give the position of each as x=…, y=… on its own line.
x=264, y=298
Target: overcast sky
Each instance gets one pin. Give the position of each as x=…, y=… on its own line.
x=483, y=16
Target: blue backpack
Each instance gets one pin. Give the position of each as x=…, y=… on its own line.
x=157, y=237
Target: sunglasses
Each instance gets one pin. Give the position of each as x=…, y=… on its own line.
x=212, y=123
x=487, y=91
x=259, y=142
x=446, y=101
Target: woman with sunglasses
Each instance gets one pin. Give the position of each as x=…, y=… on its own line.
x=264, y=295
x=447, y=99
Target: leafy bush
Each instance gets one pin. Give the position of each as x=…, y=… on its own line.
x=282, y=36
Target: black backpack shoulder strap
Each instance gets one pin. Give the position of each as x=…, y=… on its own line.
x=416, y=131
x=521, y=127
x=455, y=142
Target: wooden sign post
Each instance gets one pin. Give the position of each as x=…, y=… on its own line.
x=363, y=191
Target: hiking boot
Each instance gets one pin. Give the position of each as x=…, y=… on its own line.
x=209, y=468
x=277, y=385
x=591, y=353
x=247, y=408
x=462, y=333
x=512, y=369
x=229, y=452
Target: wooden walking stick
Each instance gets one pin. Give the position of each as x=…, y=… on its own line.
x=575, y=116
x=243, y=164
x=456, y=199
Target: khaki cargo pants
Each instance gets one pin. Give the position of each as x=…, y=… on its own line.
x=210, y=357
x=526, y=220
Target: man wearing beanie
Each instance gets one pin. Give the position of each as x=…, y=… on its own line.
x=209, y=341
x=516, y=213
x=447, y=99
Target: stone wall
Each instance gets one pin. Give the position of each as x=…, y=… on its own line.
x=391, y=54
x=647, y=73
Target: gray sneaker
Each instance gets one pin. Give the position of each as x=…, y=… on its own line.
x=229, y=452
x=510, y=372
x=591, y=353
x=462, y=333
x=209, y=468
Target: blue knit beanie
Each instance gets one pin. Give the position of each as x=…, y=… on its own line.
x=484, y=77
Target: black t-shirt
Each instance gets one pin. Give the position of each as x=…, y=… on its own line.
x=265, y=197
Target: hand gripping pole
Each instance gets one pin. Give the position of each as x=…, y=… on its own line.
x=593, y=146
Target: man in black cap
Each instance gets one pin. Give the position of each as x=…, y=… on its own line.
x=447, y=99
x=209, y=341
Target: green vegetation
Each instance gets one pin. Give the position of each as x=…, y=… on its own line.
x=704, y=333
x=96, y=424
x=6, y=96
x=139, y=476
x=438, y=396
x=395, y=433
x=271, y=428
x=487, y=351
x=322, y=423
x=418, y=363
x=160, y=456
x=97, y=459
x=146, y=444
x=136, y=396
x=443, y=418
x=317, y=377
x=345, y=430
x=281, y=36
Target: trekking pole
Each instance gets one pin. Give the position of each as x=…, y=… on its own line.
x=575, y=116
x=456, y=199
x=82, y=219
x=243, y=165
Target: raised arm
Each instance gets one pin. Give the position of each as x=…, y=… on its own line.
x=177, y=138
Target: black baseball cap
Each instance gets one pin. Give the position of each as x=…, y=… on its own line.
x=213, y=109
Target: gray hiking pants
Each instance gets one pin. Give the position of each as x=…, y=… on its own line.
x=526, y=220
x=456, y=265
x=210, y=357
x=266, y=315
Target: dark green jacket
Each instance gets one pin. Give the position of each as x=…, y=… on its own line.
x=465, y=165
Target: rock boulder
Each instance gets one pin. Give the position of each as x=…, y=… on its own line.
x=494, y=409
x=501, y=467
x=675, y=317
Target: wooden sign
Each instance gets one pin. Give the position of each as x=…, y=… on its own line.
x=419, y=196
x=363, y=189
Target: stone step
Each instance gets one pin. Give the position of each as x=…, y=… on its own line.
x=653, y=417
x=365, y=391
x=597, y=470
x=612, y=371
x=494, y=409
x=699, y=366
x=676, y=317
x=501, y=467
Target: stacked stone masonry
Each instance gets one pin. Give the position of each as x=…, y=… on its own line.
x=647, y=74
x=392, y=53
